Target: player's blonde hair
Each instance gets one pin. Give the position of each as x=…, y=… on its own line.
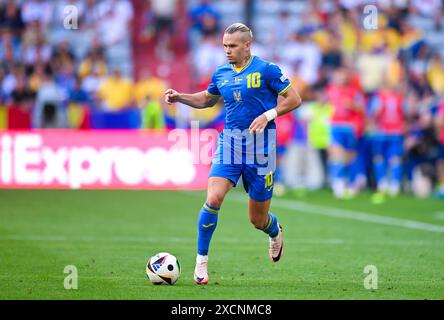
x=240, y=27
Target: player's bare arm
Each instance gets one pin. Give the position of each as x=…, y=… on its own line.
x=198, y=100
x=290, y=101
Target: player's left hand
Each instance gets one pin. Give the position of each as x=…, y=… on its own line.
x=258, y=125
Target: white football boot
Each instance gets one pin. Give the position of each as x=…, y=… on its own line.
x=201, y=270
x=276, y=250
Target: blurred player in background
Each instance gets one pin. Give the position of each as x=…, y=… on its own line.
x=439, y=121
x=284, y=130
x=388, y=116
x=345, y=125
x=250, y=87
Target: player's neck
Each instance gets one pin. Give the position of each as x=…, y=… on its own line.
x=243, y=63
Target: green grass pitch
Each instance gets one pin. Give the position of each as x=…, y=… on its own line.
x=109, y=236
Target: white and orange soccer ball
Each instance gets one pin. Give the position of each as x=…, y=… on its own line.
x=163, y=268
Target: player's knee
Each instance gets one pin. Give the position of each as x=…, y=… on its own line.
x=215, y=199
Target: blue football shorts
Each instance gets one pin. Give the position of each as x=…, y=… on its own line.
x=257, y=171
x=344, y=137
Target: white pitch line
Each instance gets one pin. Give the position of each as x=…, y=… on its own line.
x=303, y=207
x=348, y=214
x=189, y=240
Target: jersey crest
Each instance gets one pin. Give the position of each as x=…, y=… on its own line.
x=237, y=95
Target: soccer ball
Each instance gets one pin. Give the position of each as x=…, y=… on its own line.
x=163, y=268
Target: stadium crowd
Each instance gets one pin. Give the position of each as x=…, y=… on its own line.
x=63, y=60
x=373, y=112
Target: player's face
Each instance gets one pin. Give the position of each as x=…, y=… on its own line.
x=236, y=48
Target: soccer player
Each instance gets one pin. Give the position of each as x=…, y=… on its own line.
x=439, y=122
x=347, y=103
x=387, y=113
x=249, y=87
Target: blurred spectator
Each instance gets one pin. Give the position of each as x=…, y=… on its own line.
x=435, y=74
x=94, y=62
x=332, y=57
x=32, y=31
x=303, y=56
x=204, y=19
x=49, y=110
x=77, y=94
x=163, y=14
x=19, y=115
x=62, y=55
x=10, y=80
x=22, y=96
x=37, y=10
x=152, y=114
x=431, y=9
x=10, y=46
x=8, y=60
x=38, y=51
x=91, y=15
x=148, y=28
x=19, y=107
x=37, y=75
x=113, y=26
x=65, y=78
x=201, y=10
x=2, y=76
x=149, y=87
x=209, y=56
x=11, y=18
x=210, y=26
x=372, y=68
x=116, y=92
x=80, y=105
x=91, y=83
x=420, y=86
x=318, y=114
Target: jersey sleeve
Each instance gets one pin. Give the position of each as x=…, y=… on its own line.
x=212, y=89
x=276, y=80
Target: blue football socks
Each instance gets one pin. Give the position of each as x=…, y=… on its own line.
x=272, y=227
x=207, y=223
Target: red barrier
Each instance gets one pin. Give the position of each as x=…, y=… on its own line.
x=62, y=159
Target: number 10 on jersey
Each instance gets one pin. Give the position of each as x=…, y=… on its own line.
x=254, y=80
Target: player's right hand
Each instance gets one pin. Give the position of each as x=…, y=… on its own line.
x=171, y=96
